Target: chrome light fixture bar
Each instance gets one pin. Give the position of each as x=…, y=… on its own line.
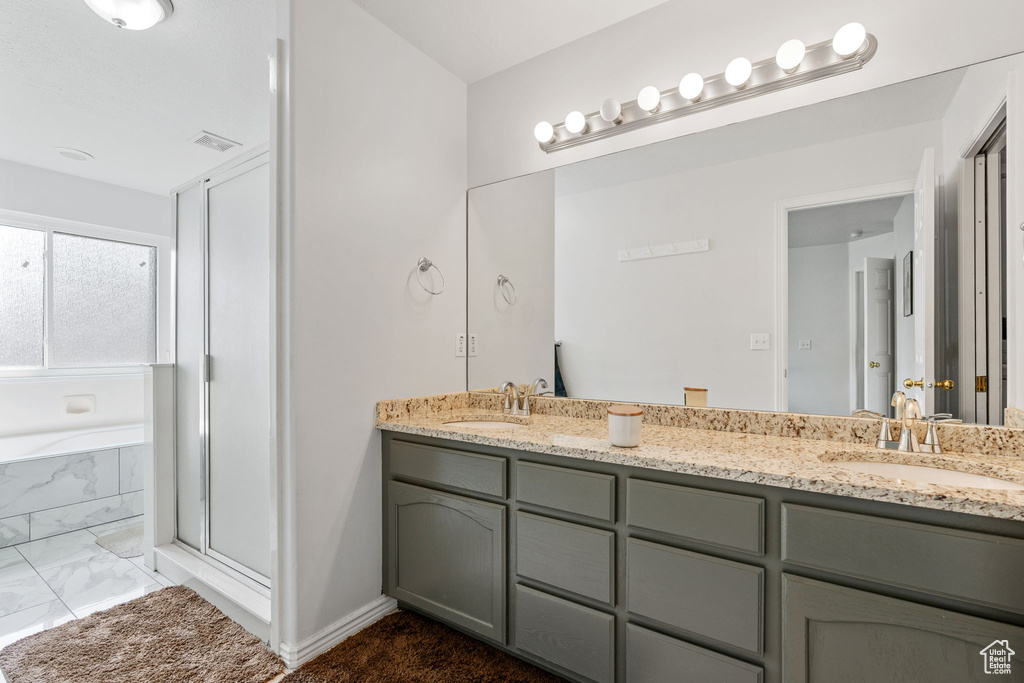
x=821, y=60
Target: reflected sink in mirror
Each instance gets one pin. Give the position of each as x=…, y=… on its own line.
x=923, y=474
x=484, y=424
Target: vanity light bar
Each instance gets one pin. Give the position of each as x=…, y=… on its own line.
x=741, y=81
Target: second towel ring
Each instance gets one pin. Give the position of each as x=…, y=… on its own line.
x=502, y=281
x=422, y=266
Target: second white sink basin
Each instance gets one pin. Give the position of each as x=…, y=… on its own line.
x=929, y=475
x=484, y=424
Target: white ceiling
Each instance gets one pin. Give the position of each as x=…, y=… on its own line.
x=133, y=99
x=823, y=225
x=476, y=38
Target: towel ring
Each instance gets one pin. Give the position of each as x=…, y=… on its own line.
x=422, y=266
x=502, y=281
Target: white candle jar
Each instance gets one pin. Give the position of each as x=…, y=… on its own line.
x=625, y=423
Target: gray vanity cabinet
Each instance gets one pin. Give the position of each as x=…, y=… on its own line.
x=446, y=555
x=604, y=573
x=834, y=634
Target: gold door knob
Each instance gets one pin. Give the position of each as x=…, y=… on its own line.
x=873, y=364
x=910, y=384
x=946, y=384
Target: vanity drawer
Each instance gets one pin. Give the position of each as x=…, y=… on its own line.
x=469, y=471
x=655, y=658
x=705, y=595
x=979, y=568
x=721, y=519
x=583, y=493
x=568, y=556
x=568, y=635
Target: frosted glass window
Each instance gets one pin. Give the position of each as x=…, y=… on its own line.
x=104, y=303
x=22, y=297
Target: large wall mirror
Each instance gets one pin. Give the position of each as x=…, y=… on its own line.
x=810, y=261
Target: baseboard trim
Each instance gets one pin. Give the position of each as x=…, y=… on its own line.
x=298, y=654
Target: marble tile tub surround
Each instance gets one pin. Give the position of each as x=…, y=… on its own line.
x=955, y=438
x=802, y=459
x=50, y=495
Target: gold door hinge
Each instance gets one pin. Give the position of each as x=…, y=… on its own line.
x=981, y=384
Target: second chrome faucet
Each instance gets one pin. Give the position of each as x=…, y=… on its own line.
x=516, y=405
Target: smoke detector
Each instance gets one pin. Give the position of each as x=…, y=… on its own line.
x=212, y=141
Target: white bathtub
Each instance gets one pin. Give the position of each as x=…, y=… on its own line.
x=28, y=446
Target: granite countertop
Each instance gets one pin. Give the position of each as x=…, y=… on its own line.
x=795, y=463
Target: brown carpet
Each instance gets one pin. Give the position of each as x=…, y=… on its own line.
x=406, y=648
x=169, y=636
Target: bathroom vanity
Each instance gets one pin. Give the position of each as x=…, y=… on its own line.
x=702, y=555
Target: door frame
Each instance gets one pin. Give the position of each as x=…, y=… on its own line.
x=994, y=114
x=782, y=209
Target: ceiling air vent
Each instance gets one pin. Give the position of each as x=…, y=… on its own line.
x=211, y=141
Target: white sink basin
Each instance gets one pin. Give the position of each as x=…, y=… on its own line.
x=484, y=424
x=929, y=475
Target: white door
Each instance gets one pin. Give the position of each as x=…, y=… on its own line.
x=879, y=356
x=924, y=285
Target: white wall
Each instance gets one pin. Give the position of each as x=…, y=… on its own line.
x=31, y=405
x=819, y=311
x=642, y=330
x=906, y=337
x=376, y=146
x=660, y=45
x=512, y=233
x=42, y=192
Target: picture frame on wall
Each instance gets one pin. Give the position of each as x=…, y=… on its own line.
x=908, y=284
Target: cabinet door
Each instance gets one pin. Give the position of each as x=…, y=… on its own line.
x=446, y=556
x=833, y=634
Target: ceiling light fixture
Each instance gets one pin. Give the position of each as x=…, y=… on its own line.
x=793, y=64
x=134, y=15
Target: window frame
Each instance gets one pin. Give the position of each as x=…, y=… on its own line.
x=49, y=226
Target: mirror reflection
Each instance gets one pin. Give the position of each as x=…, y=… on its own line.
x=812, y=261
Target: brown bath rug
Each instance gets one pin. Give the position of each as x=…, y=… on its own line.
x=124, y=543
x=169, y=636
x=406, y=648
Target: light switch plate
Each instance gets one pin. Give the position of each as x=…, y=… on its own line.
x=460, y=345
x=472, y=344
x=759, y=341
x=805, y=344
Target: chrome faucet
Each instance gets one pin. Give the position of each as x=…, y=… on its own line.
x=908, y=438
x=899, y=401
x=540, y=382
x=513, y=407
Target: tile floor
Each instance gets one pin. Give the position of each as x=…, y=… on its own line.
x=48, y=582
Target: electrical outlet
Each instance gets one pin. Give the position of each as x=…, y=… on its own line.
x=805, y=344
x=460, y=345
x=472, y=344
x=759, y=341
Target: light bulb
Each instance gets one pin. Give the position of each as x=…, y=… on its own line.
x=135, y=15
x=544, y=132
x=611, y=110
x=849, y=39
x=575, y=122
x=691, y=87
x=648, y=99
x=790, y=55
x=738, y=72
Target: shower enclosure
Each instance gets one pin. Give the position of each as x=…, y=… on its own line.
x=223, y=380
